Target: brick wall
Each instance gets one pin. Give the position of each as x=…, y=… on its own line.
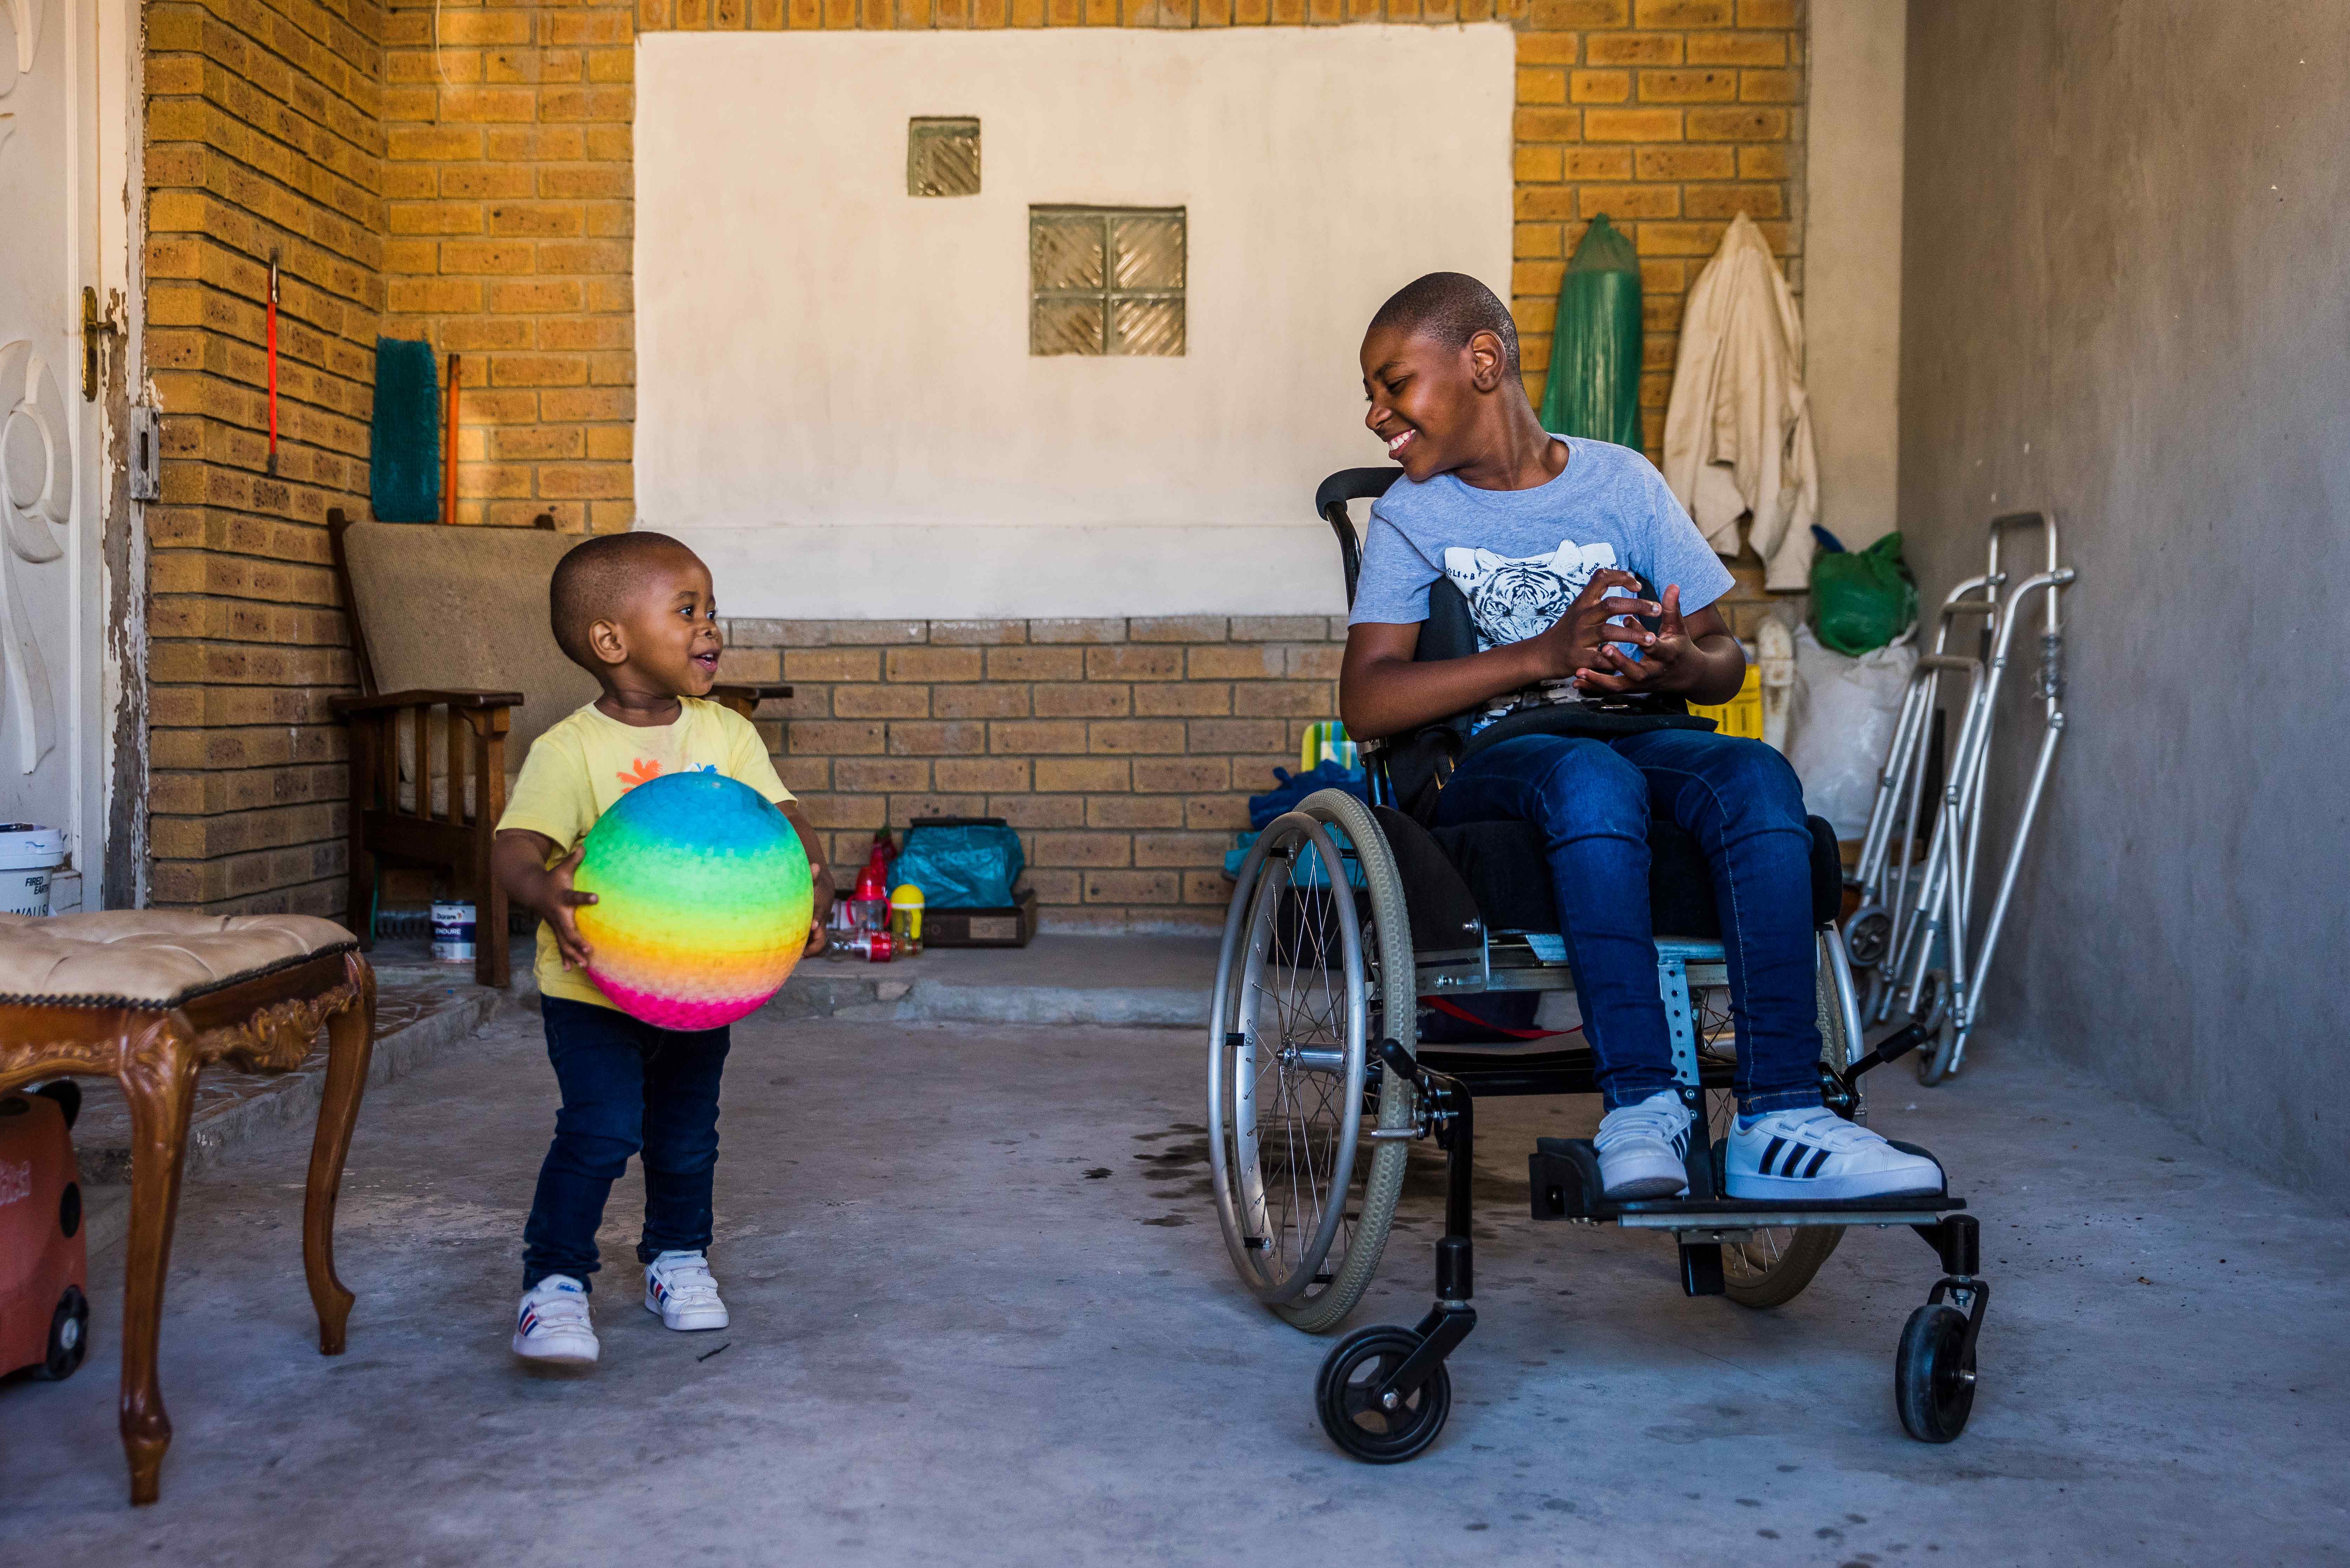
x=1124, y=750
x=474, y=187
x=263, y=135
x=508, y=201
x=1671, y=116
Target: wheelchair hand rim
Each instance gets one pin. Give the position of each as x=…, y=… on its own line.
x=1256, y=913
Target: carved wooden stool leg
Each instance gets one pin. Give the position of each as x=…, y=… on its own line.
x=350, y=1043
x=158, y=1073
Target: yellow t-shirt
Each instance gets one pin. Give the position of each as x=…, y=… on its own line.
x=578, y=768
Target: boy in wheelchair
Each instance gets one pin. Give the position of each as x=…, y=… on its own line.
x=1552, y=540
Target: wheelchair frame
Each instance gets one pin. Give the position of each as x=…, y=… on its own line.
x=1383, y=1394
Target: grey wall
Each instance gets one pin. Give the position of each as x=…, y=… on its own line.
x=2126, y=242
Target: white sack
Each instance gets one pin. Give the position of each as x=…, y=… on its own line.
x=1840, y=725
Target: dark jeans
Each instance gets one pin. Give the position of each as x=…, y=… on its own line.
x=626, y=1086
x=1592, y=800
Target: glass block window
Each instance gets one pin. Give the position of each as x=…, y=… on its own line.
x=941, y=157
x=1106, y=280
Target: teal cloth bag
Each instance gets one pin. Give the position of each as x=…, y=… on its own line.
x=960, y=865
x=404, y=453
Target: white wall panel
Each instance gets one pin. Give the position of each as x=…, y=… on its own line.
x=834, y=374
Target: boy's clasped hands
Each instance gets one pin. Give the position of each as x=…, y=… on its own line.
x=1587, y=643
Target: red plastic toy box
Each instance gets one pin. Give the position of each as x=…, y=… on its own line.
x=44, y=1258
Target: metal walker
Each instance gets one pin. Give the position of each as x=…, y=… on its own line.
x=1910, y=934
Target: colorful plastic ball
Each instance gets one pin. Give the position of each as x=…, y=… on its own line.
x=703, y=900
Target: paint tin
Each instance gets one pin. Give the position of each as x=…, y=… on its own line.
x=453, y=933
x=28, y=853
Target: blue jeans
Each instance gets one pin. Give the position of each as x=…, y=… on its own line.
x=626, y=1086
x=1592, y=800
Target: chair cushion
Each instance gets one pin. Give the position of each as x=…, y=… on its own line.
x=464, y=609
x=150, y=957
x=1502, y=863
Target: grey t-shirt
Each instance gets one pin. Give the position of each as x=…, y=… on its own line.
x=1520, y=556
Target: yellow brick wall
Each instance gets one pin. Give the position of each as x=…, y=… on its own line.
x=508, y=201
x=468, y=180
x=264, y=134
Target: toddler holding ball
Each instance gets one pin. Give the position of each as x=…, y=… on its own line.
x=638, y=612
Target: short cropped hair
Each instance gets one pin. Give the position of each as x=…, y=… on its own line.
x=591, y=583
x=1451, y=308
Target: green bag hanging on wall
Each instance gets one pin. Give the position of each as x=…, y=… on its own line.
x=1595, y=350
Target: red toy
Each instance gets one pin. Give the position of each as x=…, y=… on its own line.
x=44, y=1257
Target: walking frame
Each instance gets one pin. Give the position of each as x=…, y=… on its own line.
x=1910, y=934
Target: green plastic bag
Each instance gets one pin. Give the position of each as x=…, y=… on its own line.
x=1862, y=599
x=1594, y=389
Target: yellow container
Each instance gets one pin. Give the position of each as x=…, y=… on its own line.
x=1743, y=714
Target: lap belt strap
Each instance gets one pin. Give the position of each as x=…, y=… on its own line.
x=1451, y=1010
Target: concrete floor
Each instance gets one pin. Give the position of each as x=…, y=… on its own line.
x=953, y=1343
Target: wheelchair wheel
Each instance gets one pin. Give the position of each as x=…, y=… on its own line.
x=1934, y=1375
x=1305, y=1201
x=1772, y=1266
x=1361, y=1424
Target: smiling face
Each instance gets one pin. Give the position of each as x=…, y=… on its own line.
x=1430, y=402
x=664, y=637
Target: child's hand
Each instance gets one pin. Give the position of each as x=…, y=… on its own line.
x=820, y=910
x=1669, y=662
x=558, y=899
x=1575, y=642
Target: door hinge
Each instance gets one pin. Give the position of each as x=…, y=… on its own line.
x=93, y=327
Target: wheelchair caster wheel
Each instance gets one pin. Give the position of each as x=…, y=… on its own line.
x=1380, y=1432
x=1934, y=1374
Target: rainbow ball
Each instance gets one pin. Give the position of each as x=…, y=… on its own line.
x=703, y=900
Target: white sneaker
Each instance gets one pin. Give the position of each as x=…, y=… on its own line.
x=1643, y=1148
x=552, y=1325
x=678, y=1286
x=1813, y=1153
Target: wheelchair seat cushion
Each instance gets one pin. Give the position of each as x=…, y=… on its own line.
x=1503, y=864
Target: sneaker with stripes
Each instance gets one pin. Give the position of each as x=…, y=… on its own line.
x=678, y=1286
x=1814, y=1154
x=552, y=1325
x=1642, y=1148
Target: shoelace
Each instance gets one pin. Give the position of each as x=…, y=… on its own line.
x=688, y=1282
x=1641, y=1121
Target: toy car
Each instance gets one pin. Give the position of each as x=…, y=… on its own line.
x=44, y=1257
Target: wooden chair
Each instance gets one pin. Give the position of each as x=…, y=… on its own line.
x=459, y=673
x=150, y=998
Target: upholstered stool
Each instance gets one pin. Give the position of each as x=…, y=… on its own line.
x=148, y=997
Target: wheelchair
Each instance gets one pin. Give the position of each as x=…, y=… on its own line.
x=1347, y=921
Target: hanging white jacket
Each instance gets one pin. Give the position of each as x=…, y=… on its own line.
x=1738, y=432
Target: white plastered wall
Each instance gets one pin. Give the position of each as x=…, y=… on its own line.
x=837, y=404
x=1852, y=261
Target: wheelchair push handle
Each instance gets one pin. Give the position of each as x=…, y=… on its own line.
x=1330, y=498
